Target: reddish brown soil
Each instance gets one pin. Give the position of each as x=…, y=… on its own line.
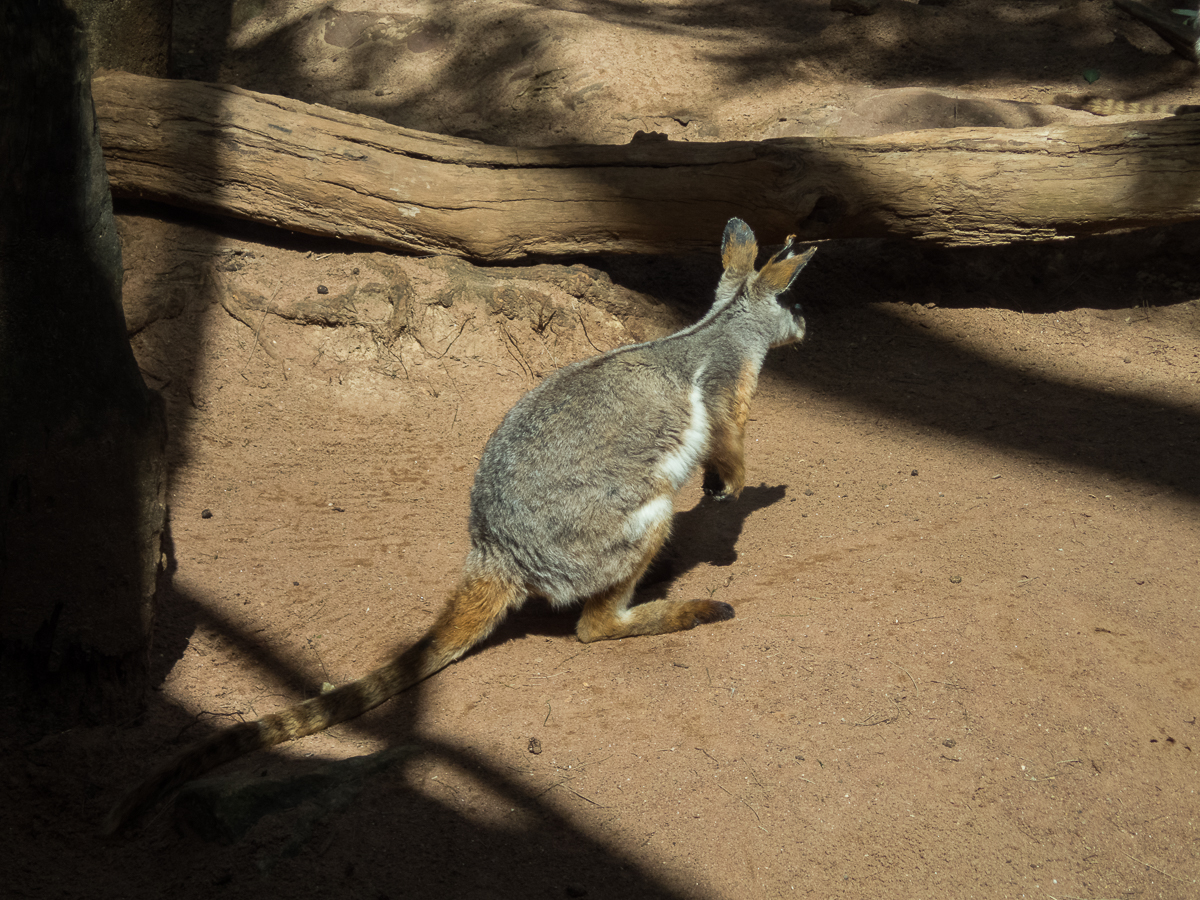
x=965, y=661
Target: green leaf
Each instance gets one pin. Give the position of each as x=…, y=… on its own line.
x=1091, y=76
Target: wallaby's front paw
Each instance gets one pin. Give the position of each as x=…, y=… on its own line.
x=714, y=485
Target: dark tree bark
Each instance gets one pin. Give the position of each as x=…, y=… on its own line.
x=82, y=440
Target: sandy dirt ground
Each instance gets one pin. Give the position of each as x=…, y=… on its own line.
x=966, y=568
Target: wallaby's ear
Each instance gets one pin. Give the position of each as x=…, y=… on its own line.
x=781, y=271
x=739, y=249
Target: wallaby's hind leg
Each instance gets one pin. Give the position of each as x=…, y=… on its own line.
x=607, y=615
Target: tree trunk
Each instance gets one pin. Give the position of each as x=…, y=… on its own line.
x=321, y=171
x=82, y=441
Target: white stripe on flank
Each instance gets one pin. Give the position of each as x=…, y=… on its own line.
x=678, y=465
x=648, y=516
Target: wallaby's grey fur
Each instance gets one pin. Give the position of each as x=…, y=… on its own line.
x=573, y=498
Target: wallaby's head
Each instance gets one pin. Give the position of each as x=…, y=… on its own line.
x=760, y=290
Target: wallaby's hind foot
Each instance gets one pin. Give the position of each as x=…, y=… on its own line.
x=607, y=617
x=665, y=616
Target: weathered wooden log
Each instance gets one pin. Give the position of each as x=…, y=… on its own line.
x=322, y=171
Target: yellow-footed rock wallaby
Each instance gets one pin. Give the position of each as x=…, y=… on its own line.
x=573, y=498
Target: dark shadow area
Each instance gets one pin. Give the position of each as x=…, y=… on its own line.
x=707, y=533
x=225, y=228
x=174, y=621
x=81, y=439
x=1145, y=268
x=903, y=372
x=543, y=854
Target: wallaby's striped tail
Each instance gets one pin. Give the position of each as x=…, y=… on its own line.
x=1105, y=106
x=472, y=613
x=339, y=705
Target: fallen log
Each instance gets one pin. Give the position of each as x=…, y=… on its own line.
x=322, y=171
